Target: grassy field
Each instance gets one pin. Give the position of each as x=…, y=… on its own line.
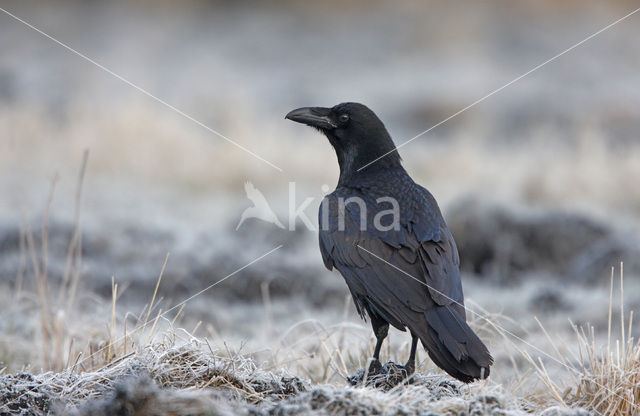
x=147, y=363
x=126, y=288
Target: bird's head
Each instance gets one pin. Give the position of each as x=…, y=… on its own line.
x=358, y=136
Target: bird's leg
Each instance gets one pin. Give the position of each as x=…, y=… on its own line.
x=380, y=336
x=380, y=329
x=410, y=366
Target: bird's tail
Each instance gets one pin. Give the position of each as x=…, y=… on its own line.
x=454, y=347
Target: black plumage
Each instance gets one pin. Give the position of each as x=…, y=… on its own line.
x=402, y=270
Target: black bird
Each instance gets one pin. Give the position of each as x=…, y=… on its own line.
x=398, y=259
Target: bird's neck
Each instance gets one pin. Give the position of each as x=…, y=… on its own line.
x=357, y=162
x=355, y=168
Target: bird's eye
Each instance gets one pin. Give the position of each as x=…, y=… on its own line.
x=344, y=118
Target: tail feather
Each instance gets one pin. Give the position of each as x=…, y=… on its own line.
x=453, y=345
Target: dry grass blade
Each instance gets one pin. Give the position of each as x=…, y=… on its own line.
x=155, y=290
x=74, y=257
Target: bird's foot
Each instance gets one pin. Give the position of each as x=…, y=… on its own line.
x=374, y=371
x=396, y=373
x=384, y=376
x=409, y=368
x=375, y=368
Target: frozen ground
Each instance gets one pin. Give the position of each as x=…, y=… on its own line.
x=538, y=184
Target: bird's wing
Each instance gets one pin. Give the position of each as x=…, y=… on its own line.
x=395, y=269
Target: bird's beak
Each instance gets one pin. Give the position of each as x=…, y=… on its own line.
x=317, y=117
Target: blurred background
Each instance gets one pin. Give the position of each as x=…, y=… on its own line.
x=539, y=182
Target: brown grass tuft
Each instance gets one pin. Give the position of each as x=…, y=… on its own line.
x=608, y=377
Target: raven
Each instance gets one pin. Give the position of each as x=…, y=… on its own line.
x=402, y=271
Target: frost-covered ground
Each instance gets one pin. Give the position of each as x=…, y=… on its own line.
x=538, y=184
